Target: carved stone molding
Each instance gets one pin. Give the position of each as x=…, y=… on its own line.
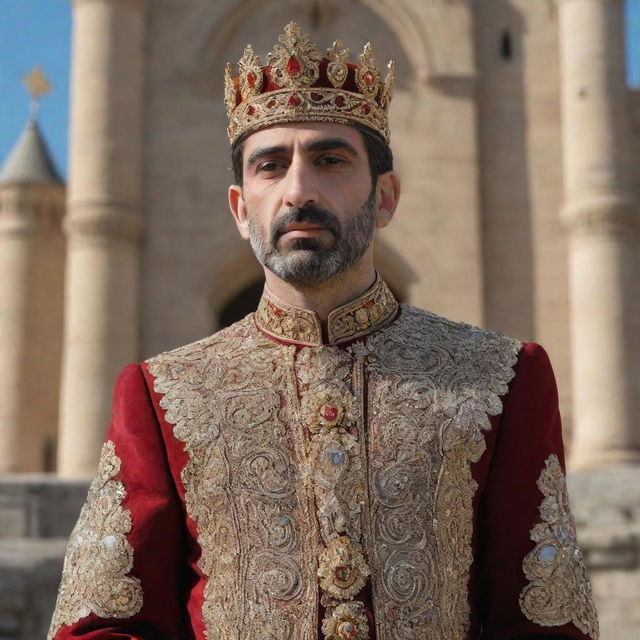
x=31, y=211
x=604, y=214
x=103, y=221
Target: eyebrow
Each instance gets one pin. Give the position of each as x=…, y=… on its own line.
x=324, y=144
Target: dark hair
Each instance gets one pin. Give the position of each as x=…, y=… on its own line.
x=378, y=151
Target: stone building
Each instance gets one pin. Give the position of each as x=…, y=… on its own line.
x=518, y=144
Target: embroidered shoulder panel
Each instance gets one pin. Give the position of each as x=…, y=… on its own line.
x=559, y=590
x=433, y=385
x=230, y=398
x=99, y=557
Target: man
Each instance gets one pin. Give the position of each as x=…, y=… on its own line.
x=335, y=465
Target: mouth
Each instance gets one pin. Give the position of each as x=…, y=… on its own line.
x=301, y=230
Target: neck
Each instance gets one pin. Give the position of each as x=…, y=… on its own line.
x=323, y=297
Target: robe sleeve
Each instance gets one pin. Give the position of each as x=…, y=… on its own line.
x=124, y=565
x=532, y=578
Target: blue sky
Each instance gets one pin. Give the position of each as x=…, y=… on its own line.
x=36, y=32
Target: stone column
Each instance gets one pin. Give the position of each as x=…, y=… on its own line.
x=603, y=220
x=104, y=221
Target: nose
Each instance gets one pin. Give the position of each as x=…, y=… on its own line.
x=300, y=187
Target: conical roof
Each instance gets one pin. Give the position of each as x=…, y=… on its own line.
x=30, y=161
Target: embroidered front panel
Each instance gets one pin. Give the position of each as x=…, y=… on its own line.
x=331, y=393
x=433, y=385
x=230, y=399
x=559, y=590
x=295, y=498
x=99, y=557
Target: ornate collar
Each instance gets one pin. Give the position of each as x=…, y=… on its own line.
x=368, y=312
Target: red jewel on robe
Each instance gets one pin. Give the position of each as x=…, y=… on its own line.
x=293, y=66
x=329, y=413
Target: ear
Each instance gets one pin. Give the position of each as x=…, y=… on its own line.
x=239, y=210
x=387, y=197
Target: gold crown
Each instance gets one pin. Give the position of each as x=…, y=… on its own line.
x=300, y=85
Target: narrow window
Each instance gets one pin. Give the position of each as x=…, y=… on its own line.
x=506, y=46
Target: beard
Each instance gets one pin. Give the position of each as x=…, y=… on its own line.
x=309, y=261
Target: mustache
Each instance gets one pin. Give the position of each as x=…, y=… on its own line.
x=309, y=214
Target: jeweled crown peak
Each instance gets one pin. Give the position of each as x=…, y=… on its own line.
x=299, y=84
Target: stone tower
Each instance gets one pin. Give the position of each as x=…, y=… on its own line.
x=32, y=265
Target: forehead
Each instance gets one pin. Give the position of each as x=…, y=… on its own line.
x=303, y=134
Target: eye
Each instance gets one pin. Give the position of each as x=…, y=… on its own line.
x=330, y=161
x=269, y=166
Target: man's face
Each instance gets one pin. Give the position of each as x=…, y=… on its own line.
x=307, y=203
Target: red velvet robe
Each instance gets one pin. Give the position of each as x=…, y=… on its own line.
x=391, y=475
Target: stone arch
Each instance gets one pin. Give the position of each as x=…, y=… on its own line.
x=231, y=278
x=414, y=54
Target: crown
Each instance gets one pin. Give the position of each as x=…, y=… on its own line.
x=300, y=85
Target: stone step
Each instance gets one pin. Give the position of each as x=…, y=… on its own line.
x=39, y=505
x=29, y=576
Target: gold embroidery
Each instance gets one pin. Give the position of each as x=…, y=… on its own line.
x=333, y=415
x=288, y=323
x=269, y=494
x=346, y=621
x=433, y=385
x=99, y=557
x=342, y=568
x=231, y=399
x=559, y=590
x=324, y=408
x=372, y=310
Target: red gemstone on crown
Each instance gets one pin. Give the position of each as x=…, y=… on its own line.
x=293, y=66
x=295, y=100
x=329, y=413
x=250, y=110
x=365, y=109
x=340, y=101
x=368, y=77
x=251, y=79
